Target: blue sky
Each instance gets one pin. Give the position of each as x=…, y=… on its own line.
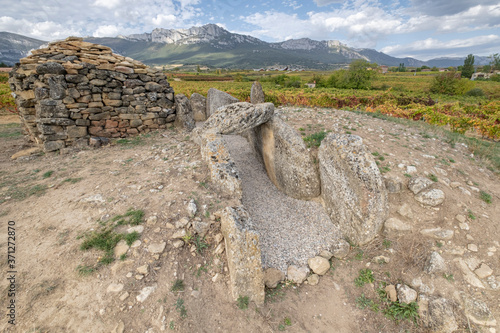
x=422, y=29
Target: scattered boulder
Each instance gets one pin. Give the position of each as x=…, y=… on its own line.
x=393, y=184
x=272, y=277
x=319, y=265
x=145, y=292
x=352, y=188
x=483, y=271
x=436, y=264
x=406, y=294
x=256, y=93
x=184, y=114
x=395, y=225
x=243, y=254
x=313, y=279
x=438, y=314
x=468, y=276
x=191, y=208
x=239, y=117
x=478, y=312
x=341, y=250
x=198, y=105
x=216, y=99
x=297, y=274
x=431, y=198
x=286, y=159
x=418, y=184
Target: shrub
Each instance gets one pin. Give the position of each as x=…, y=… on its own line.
x=476, y=92
x=444, y=83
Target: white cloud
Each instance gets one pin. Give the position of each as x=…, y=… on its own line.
x=108, y=30
x=278, y=26
x=109, y=4
x=327, y=2
x=164, y=20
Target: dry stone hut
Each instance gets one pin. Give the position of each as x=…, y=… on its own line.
x=72, y=91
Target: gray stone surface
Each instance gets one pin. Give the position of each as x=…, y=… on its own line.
x=272, y=277
x=216, y=99
x=433, y=197
x=478, y=311
x=256, y=93
x=406, y=294
x=243, y=254
x=222, y=169
x=239, y=117
x=286, y=159
x=199, y=106
x=184, y=114
x=352, y=188
x=437, y=314
x=436, y=263
x=417, y=184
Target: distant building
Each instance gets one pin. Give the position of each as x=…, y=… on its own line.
x=311, y=85
x=480, y=75
x=383, y=69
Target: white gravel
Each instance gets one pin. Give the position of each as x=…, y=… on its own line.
x=291, y=231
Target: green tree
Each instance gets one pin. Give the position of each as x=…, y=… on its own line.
x=361, y=74
x=2, y=64
x=402, y=68
x=495, y=61
x=468, y=68
x=486, y=69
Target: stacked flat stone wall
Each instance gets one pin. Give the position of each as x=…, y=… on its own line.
x=72, y=91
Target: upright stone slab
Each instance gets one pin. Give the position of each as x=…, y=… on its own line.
x=285, y=156
x=257, y=94
x=352, y=188
x=198, y=106
x=239, y=117
x=222, y=168
x=216, y=99
x=243, y=255
x=184, y=114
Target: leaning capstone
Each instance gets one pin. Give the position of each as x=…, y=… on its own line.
x=216, y=99
x=184, y=114
x=239, y=117
x=286, y=159
x=256, y=93
x=352, y=188
x=199, y=106
x=243, y=254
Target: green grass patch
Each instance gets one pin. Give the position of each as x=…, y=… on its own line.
x=72, y=180
x=402, y=311
x=314, y=140
x=10, y=131
x=47, y=174
x=242, y=302
x=177, y=286
x=485, y=197
x=365, y=276
x=433, y=177
x=132, y=217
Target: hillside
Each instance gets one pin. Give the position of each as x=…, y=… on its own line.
x=14, y=47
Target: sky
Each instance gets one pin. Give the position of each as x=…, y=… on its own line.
x=422, y=29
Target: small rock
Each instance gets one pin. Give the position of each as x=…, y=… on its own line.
x=437, y=233
x=191, y=208
x=196, y=293
x=178, y=243
x=179, y=234
x=119, y=328
x=464, y=191
x=483, y=271
x=139, y=277
x=393, y=185
x=472, y=247
x=406, y=294
x=436, y=264
x=156, y=248
x=152, y=220
x=418, y=184
x=455, y=184
x=381, y=260
x=464, y=226
x=181, y=223
x=341, y=250
x=219, y=248
x=121, y=248
x=216, y=278
x=138, y=228
x=136, y=244
x=319, y=265
x=395, y=225
x=313, y=280
x=461, y=218
x=391, y=292
x=478, y=312
x=405, y=211
x=439, y=316
x=297, y=274
x=145, y=292
x=218, y=238
x=124, y=296
x=326, y=254
x=272, y=277
x=201, y=228
x=410, y=169
x=431, y=198
x=142, y=269
x=468, y=276
x=114, y=288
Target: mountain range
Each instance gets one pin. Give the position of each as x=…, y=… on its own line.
x=213, y=46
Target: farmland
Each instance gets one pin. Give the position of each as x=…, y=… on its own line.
x=403, y=95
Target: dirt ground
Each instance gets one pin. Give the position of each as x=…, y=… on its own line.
x=56, y=200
